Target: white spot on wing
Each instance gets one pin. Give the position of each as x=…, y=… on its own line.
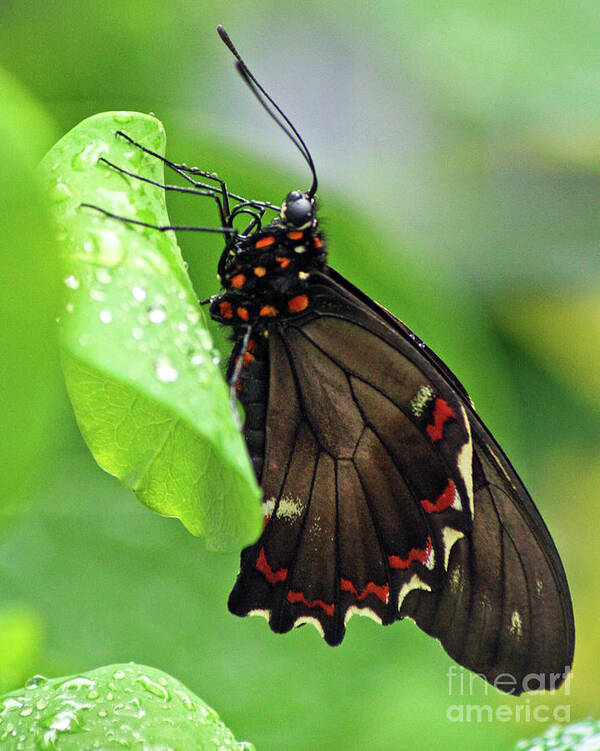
x=289, y=508
x=264, y=613
x=313, y=621
x=354, y=610
x=516, y=625
x=449, y=536
x=465, y=462
x=268, y=506
x=457, y=582
x=420, y=400
x=413, y=583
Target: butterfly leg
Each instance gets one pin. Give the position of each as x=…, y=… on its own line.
x=175, y=188
x=238, y=364
x=159, y=227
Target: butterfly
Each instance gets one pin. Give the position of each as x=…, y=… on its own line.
x=384, y=494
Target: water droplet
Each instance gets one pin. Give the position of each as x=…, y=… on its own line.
x=122, y=117
x=139, y=293
x=105, y=316
x=26, y=711
x=60, y=192
x=205, y=338
x=153, y=687
x=103, y=275
x=182, y=326
x=104, y=245
x=196, y=358
x=71, y=282
x=215, y=357
x=119, y=674
x=90, y=155
x=35, y=681
x=166, y=372
x=69, y=307
x=137, y=333
x=77, y=683
x=98, y=295
x=192, y=316
x=157, y=315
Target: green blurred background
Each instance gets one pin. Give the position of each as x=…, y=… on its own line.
x=457, y=146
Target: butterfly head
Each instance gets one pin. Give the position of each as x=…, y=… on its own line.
x=298, y=210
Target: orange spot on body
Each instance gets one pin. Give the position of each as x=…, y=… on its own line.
x=416, y=554
x=283, y=262
x=299, y=597
x=248, y=358
x=264, y=242
x=268, y=311
x=262, y=565
x=260, y=271
x=225, y=309
x=238, y=281
x=252, y=345
x=442, y=412
x=317, y=242
x=443, y=501
x=242, y=313
x=296, y=235
x=298, y=303
x=380, y=591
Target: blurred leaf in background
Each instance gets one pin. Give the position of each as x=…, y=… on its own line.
x=457, y=149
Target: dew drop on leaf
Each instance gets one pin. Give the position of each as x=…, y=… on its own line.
x=139, y=293
x=157, y=315
x=165, y=371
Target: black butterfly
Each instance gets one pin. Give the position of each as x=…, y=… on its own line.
x=384, y=493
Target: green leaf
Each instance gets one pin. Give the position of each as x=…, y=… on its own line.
x=29, y=372
x=111, y=708
x=580, y=736
x=139, y=364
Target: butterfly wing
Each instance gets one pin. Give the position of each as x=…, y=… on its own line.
x=385, y=496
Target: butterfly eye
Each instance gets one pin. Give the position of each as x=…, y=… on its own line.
x=298, y=210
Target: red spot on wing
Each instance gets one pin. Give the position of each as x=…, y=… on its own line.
x=268, y=311
x=259, y=271
x=444, y=500
x=262, y=565
x=442, y=412
x=317, y=242
x=416, y=554
x=297, y=235
x=299, y=597
x=243, y=313
x=264, y=242
x=380, y=591
x=237, y=281
x=225, y=309
x=298, y=303
x=283, y=262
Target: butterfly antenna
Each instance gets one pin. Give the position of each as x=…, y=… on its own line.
x=271, y=107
